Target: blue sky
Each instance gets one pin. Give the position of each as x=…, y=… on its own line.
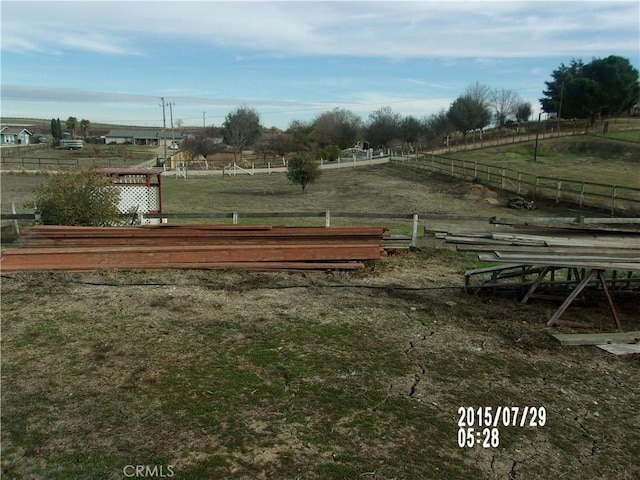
x=111, y=62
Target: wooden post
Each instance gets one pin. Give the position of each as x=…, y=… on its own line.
x=558, y=191
x=613, y=200
x=16, y=227
x=327, y=218
x=581, y=195
x=519, y=182
x=502, y=175
x=475, y=170
x=235, y=218
x=414, y=234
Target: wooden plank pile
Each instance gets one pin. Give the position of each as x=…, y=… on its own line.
x=256, y=247
x=556, y=258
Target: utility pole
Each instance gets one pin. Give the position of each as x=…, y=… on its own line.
x=164, y=129
x=535, y=149
x=173, y=138
x=560, y=107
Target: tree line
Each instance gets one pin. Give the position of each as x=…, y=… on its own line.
x=602, y=87
x=71, y=125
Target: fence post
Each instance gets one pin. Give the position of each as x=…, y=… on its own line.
x=235, y=218
x=535, y=188
x=327, y=218
x=613, y=200
x=558, y=190
x=475, y=170
x=581, y=195
x=16, y=227
x=502, y=175
x=414, y=233
x=519, y=182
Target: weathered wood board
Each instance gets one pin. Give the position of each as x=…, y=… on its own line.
x=598, y=338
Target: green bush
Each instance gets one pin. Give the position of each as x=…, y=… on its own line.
x=331, y=153
x=302, y=170
x=77, y=197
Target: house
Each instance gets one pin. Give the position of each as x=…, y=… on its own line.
x=14, y=135
x=141, y=136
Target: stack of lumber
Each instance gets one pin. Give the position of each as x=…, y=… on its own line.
x=584, y=242
x=257, y=247
x=535, y=246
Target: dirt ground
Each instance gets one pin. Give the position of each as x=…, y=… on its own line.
x=200, y=374
x=352, y=376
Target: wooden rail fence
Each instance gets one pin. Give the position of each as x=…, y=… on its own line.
x=616, y=198
x=413, y=218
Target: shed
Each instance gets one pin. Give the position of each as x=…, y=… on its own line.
x=140, y=189
x=13, y=135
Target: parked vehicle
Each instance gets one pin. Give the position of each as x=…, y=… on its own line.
x=71, y=144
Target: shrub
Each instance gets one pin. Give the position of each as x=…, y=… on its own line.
x=302, y=171
x=77, y=197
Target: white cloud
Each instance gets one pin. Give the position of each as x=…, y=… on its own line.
x=378, y=29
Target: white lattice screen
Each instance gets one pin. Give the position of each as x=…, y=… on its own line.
x=139, y=199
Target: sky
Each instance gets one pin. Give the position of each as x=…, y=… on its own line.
x=114, y=61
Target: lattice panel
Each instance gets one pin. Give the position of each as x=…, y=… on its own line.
x=138, y=198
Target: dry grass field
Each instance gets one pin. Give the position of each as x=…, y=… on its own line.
x=248, y=375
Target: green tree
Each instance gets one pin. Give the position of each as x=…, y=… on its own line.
x=56, y=130
x=468, y=114
x=72, y=124
x=301, y=136
x=241, y=128
x=77, y=197
x=331, y=153
x=607, y=86
x=303, y=170
x=84, y=127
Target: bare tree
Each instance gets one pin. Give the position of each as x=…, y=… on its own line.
x=522, y=111
x=480, y=93
x=504, y=103
x=438, y=125
x=337, y=127
x=383, y=126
